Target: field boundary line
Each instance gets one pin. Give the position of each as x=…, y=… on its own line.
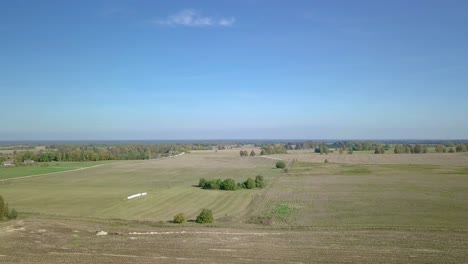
x=83, y=168
x=51, y=173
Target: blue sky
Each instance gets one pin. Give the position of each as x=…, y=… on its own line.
x=233, y=69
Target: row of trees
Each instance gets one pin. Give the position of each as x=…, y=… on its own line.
x=273, y=149
x=231, y=185
x=458, y=148
x=97, y=152
x=5, y=211
x=407, y=148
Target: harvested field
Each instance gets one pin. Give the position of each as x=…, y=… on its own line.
x=453, y=159
x=368, y=196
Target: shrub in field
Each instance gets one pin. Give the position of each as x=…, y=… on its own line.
x=252, y=153
x=250, y=183
x=13, y=214
x=205, y=217
x=180, y=218
x=5, y=211
x=244, y=153
x=280, y=164
x=326, y=161
x=259, y=183
x=201, y=182
x=228, y=184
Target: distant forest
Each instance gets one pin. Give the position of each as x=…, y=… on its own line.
x=100, y=152
x=128, y=150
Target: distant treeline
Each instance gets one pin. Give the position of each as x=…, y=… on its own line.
x=378, y=147
x=97, y=153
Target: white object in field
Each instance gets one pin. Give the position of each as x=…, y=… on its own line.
x=101, y=233
x=136, y=195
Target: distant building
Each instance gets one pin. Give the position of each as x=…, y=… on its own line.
x=28, y=161
x=9, y=163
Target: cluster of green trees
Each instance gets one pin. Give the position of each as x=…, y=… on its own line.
x=5, y=211
x=322, y=149
x=451, y=148
x=408, y=148
x=358, y=145
x=245, y=153
x=379, y=150
x=231, y=185
x=461, y=148
x=102, y=152
x=205, y=217
x=273, y=149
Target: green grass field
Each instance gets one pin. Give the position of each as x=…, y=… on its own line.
x=42, y=168
x=101, y=192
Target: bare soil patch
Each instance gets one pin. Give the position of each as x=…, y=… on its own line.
x=75, y=242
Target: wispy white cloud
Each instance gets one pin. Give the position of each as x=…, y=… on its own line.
x=226, y=22
x=192, y=18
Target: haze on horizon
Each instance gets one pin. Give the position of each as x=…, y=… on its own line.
x=145, y=69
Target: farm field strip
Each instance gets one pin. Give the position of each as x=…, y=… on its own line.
x=310, y=196
x=51, y=168
x=449, y=159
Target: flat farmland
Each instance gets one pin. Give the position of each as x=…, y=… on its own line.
x=454, y=159
x=101, y=192
x=316, y=212
x=427, y=197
